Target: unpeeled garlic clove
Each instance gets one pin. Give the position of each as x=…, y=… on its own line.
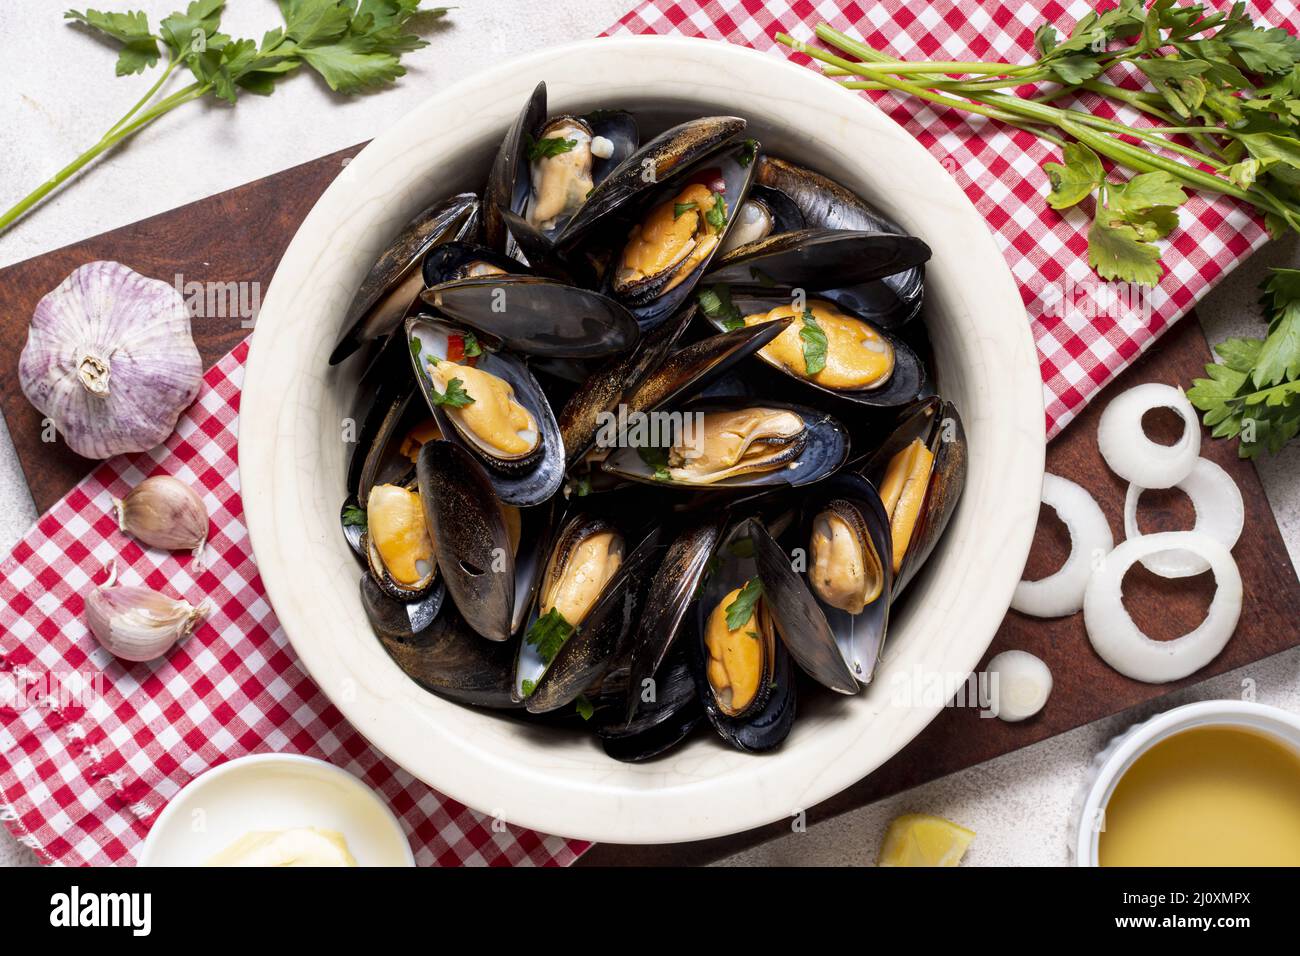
x=138, y=623
x=164, y=512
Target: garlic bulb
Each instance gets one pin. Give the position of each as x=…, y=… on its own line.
x=138, y=623
x=110, y=360
x=164, y=512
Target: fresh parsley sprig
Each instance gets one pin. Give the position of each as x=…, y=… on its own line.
x=548, y=634
x=1223, y=93
x=813, y=338
x=1254, y=394
x=742, y=608
x=354, y=45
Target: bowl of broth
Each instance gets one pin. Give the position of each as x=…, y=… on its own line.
x=1214, y=783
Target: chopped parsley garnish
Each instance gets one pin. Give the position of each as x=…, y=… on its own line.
x=582, y=487
x=527, y=686
x=748, y=151
x=548, y=634
x=472, y=348
x=354, y=517
x=814, y=343
x=656, y=458
x=584, y=706
x=742, y=548
x=454, y=397
x=548, y=147
x=717, y=305
x=415, y=347
x=741, y=610
x=683, y=207
x=716, y=217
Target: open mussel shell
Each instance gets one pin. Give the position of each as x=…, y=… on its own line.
x=825, y=204
x=936, y=426
x=860, y=634
x=787, y=457
x=799, y=619
x=634, y=275
x=659, y=718
x=352, y=518
x=535, y=315
x=470, y=537
x=536, y=526
x=523, y=480
x=765, y=212
x=819, y=259
x=657, y=376
x=672, y=589
x=395, y=280
x=444, y=655
x=507, y=167
x=906, y=382
x=450, y=261
x=597, y=638
x=663, y=157
x=765, y=721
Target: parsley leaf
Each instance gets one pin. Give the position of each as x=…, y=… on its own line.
x=813, y=337
x=354, y=517
x=1117, y=250
x=471, y=346
x=684, y=207
x=656, y=458
x=741, y=609
x=454, y=397
x=548, y=147
x=548, y=634
x=527, y=686
x=1076, y=179
x=716, y=216
x=584, y=707
x=715, y=301
x=139, y=45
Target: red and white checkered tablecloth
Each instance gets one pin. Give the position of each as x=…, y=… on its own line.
x=91, y=748
x=1080, y=349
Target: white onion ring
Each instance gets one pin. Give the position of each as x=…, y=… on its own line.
x=1061, y=593
x=1135, y=457
x=1117, y=639
x=1220, y=513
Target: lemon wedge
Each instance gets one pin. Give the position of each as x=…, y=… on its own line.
x=921, y=839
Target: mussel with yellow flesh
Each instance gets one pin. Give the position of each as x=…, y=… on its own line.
x=486, y=410
x=903, y=492
x=399, y=544
x=741, y=643
x=560, y=170
x=673, y=239
x=844, y=569
x=726, y=443
x=852, y=355
x=576, y=576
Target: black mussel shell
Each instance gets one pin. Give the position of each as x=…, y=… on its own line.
x=765, y=212
x=597, y=640
x=907, y=382
x=938, y=425
x=384, y=461
x=397, y=620
x=446, y=657
x=800, y=623
x=534, y=315
x=825, y=204
x=654, y=298
x=536, y=526
x=819, y=259
x=383, y=300
x=602, y=390
x=523, y=482
x=386, y=381
x=503, y=180
x=536, y=249
x=817, y=452
x=657, y=721
x=470, y=537
x=767, y=721
x=663, y=157
x=450, y=261
x=672, y=589
x=860, y=636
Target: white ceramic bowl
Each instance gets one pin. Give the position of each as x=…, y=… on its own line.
x=292, y=462
x=1122, y=752
x=269, y=792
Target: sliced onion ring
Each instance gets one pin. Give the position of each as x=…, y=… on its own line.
x=1220, y=513
x=1117, y=639
x=1061, y=593
x=1135, y=457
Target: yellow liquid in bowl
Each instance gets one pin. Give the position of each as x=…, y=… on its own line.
x=1211, y=796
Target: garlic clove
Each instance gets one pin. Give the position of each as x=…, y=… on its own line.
x=139, y=623
x=164, y=512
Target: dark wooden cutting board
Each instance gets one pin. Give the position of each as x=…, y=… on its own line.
x=238, y=236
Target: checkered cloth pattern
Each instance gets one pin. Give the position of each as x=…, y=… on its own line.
x=1081, y=348
x=92, y=748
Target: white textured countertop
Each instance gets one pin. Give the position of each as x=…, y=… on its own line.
x=60, y=95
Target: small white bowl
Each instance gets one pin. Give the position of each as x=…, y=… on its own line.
x=1122, y=752
x=274, y=792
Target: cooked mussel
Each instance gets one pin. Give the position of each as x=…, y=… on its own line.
x=737, y=443
x=920, y=472
x=398, y=543
x=765, y=212
x=834, y=351
x=491, y=404
x=395, y=280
